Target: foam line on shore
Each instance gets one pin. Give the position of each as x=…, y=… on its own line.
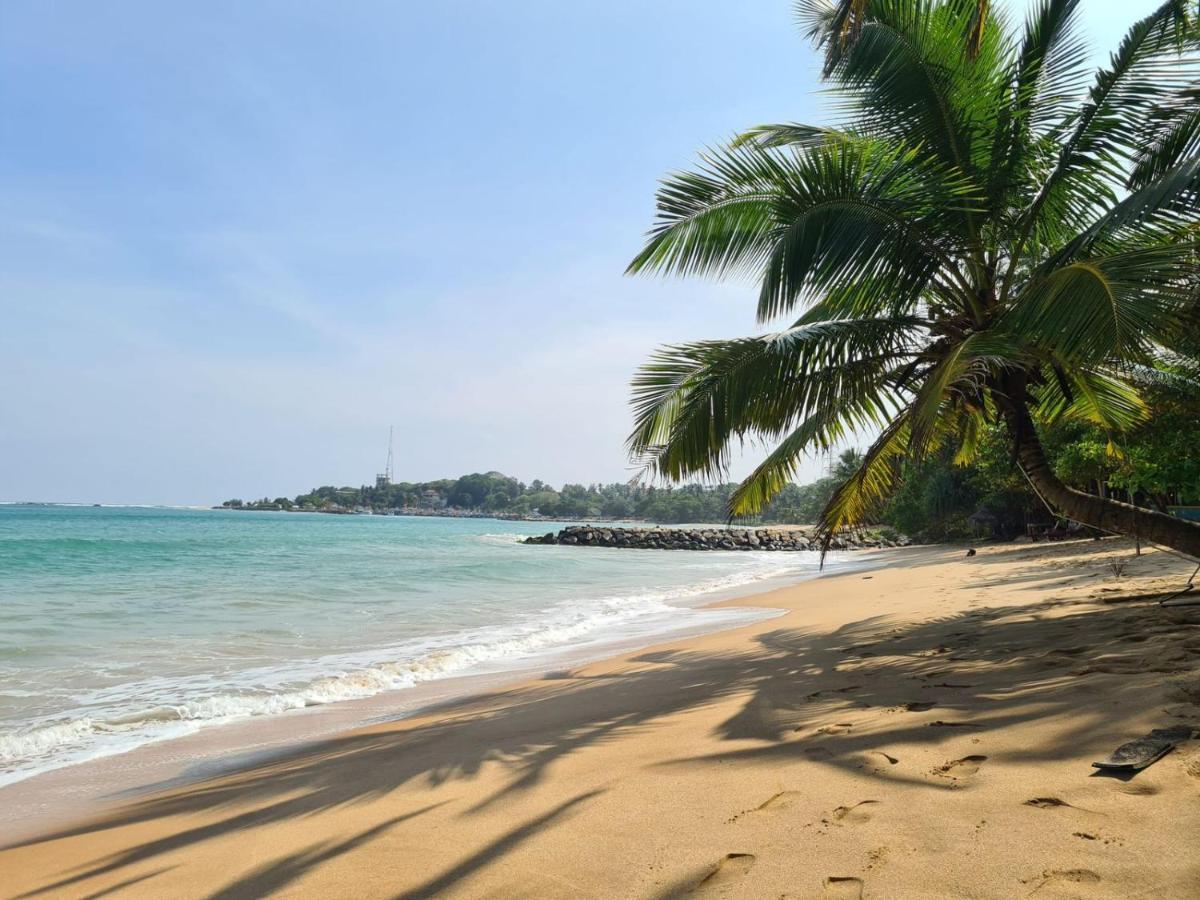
x=121, y=726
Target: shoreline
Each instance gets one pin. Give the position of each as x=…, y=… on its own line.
x=51, y=796
x=922, y=729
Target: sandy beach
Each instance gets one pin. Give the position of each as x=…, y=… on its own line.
x=920, y=730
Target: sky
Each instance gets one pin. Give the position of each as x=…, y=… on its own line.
x=239, y=241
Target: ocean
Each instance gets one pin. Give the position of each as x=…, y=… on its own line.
x=121, y=626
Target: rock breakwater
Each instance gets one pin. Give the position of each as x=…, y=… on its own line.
x=778, y=539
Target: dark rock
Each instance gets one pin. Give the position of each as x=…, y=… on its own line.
x=768, y=539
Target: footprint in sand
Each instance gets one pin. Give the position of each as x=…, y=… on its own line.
x=919, y=705
x=782, y=800
x=1067, y=879
x=777, y=803
x=961, y=768
x=1047, y=803
x=836, y=728
x=843, y=887
x=880, y=760
x=855, y=814
x=729, y=869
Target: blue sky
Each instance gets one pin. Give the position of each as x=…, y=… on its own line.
x=240, y=240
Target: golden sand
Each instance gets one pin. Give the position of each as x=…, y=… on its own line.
x=922, y=730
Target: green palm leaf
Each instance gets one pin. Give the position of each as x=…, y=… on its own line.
x=856, y=215
x=1122, y=305
x=690, y=400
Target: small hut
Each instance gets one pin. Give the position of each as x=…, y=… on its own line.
x=982, y=522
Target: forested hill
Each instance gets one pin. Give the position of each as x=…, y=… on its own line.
x=499, y=494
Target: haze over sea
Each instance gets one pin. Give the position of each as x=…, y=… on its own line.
x=121, y=626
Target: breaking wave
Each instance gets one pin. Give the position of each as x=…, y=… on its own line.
x=118, y=719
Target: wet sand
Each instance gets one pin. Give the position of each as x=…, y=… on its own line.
x=924, y=730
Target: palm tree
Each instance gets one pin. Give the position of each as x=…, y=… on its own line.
x=985, y=237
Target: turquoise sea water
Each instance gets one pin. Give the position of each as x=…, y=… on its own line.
x=120, y=626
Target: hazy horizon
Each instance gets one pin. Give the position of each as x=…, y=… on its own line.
x=240, y=241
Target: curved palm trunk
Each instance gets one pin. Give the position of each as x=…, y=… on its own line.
x=1099, y=512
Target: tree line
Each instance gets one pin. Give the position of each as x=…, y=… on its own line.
x=1156, y=466
x=502, y=495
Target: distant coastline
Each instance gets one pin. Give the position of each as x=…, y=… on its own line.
x=494, y=495
x=448, y=513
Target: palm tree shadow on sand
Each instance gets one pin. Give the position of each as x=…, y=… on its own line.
x=982, y=669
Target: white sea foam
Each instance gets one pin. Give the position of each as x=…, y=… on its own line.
x=507, y=538
x=119, y=718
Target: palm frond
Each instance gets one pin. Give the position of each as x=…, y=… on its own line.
x=689, y=401
x=827, y=425
x=1115, y=306
x=1168, y=201
x=792, y=134
x=977, y=27
x=958, y=378
x=1156, y=60
x=1039, y=90
x=864, y=493
x=970, y=436
x=1169, y=371
x=856, y=214
x=897, y=77
x=832, y=26
x=1173, y=135
x=1096, y=397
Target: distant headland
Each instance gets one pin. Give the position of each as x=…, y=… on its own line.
x=496, y=495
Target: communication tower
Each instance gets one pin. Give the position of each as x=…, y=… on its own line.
x=384, y=479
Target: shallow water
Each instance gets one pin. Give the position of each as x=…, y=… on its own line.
x=120, y=626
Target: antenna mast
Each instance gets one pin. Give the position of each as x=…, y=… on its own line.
x=388, y=470
x=384, y=478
